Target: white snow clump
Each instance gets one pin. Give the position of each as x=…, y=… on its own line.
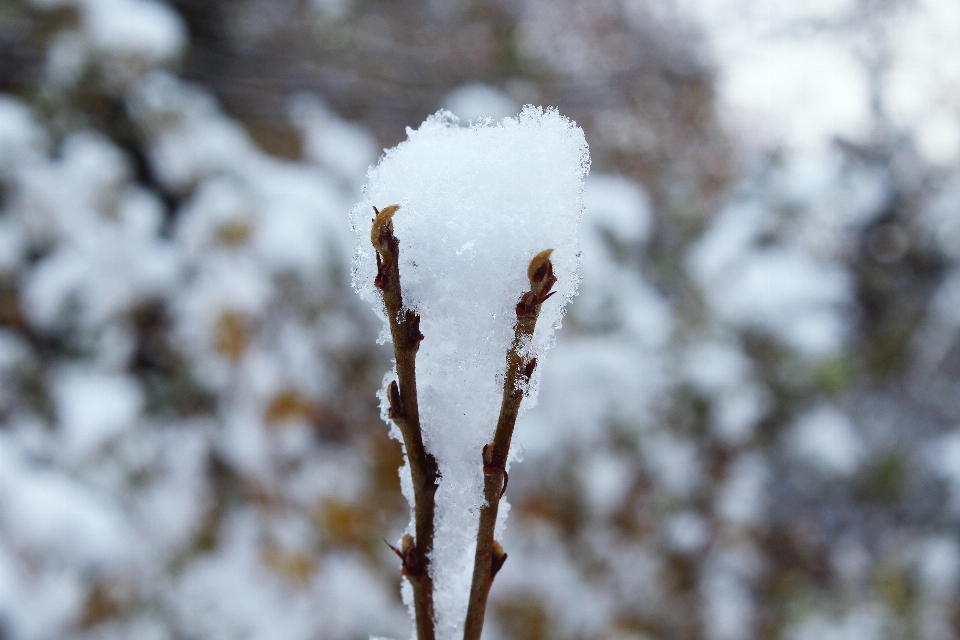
x=476, y=204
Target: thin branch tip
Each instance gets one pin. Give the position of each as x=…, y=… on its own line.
x=539, y=265
x=381, y=232
x=489, y=557
x=403, y=410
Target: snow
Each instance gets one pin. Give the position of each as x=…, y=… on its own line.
x=345, y=148
x=35, y=605
x=608, y=479
x=615, y=296
x=820, y=85
x=939, y=566
x=613, y=383
x=95, y=489
x=190, y=139
x=13, y=351
x=116, y=265
x=230, y=595
x=79, y=185
x=20, y=135
x=795, y=76
x=729, y=610
x=94, y=408
x=864, y=622
x=941, y=217
x=687, y=532
x=167, y=512
x=925, y=60
x=826, y=439
x=615, y=361
x=944, y=456
x=134, y=27
x=56, y=516
x=206, y=519
x=782, y=290
x=938, y=331
x=636, y=570
x=107, y=255
x=851, y=562
x=115, y=39
x=741, y=499
x=722, y=371
x=620, y=206
x=674, y=462
x=540, y=564
x=714, y=366
x=67, y=56
x=736, y=413
x=331, y=10
x=476, y=204
x=11, y=245
x=234, y=589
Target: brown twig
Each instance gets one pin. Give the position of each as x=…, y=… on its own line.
x=490, y=555
x=404, y=411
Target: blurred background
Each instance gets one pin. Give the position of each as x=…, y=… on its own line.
x=749, y=427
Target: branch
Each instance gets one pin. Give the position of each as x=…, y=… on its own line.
x=490, y=555
x=405, y=412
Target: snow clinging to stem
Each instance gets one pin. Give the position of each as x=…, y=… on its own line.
x=476, y=205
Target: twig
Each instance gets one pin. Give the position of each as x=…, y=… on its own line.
x=404, y=411
x=490, y=555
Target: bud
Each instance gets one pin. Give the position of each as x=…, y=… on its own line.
x=395, y=411
x=540, y=273
x=499, y=557
x=381, y=234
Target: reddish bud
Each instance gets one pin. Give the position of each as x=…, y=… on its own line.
x=407, y=555
x=540, y=267
x=529, y=367
x=395, y=412
x=381, y=232
x=413, y=326
x=497, y=559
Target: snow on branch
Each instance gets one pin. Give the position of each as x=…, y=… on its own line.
x=458, y=215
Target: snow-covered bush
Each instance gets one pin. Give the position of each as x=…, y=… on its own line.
x=747, y=427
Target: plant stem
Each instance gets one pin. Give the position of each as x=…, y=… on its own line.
x=490, y=555
x=404, y=411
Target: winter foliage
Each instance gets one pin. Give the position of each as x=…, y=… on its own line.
x=748, y=426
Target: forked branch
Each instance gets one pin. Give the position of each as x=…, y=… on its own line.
x=490, y=555
x=405, y=412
